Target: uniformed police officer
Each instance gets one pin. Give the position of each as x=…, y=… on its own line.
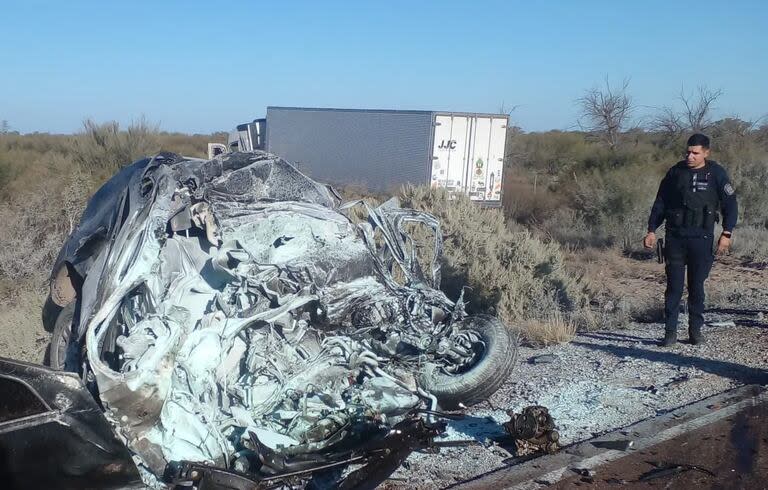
x=689, y=199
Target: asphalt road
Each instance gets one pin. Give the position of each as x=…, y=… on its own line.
x=729, y=454
x=717, y=443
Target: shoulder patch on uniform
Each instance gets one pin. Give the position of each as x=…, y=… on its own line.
x=728, y=188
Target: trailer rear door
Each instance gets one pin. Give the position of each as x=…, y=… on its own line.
x=468, y=155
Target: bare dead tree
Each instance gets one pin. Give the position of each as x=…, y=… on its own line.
x=607, y=111
x=698, y=107
x=508, y=110
x=668, y=121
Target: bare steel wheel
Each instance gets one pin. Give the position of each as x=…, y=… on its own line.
x=496, y=358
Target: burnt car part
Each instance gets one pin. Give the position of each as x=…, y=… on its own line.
x=54, y=435
x=533, y=430
x=234, y=306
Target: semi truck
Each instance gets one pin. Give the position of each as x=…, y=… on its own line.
x=383, y=149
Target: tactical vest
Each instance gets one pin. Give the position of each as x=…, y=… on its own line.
x=699, y=204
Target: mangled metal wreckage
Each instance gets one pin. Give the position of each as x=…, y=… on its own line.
x=234, y=314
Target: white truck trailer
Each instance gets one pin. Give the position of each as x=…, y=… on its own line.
x=382, y=149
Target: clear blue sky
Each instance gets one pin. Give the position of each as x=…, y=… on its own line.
x=205, y=66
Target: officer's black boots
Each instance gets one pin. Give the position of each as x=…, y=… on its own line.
x=695, y=335
x=670, y=337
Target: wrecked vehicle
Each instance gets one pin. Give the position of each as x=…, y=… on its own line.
x=233, y=315
x=53, y=434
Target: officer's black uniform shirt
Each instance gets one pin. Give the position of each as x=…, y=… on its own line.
x=680, y=187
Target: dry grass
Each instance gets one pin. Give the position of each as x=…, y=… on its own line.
x=554, y=328
x=732, y=283
x=36, y=224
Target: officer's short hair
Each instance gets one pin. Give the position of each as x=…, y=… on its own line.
x=699, y=139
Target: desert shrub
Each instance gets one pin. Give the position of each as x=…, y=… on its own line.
x=354, y=192
x=609, y=190
x=744, y=154
x=529, y=199
x=7, y=172
x=37, y=223
x=103, y=148
x=550, y=153
x=511, y=273
x=569, y=227
x=36, y=143
x=24, y=165
x=189, y=145
x=21, y=336
x=616, y=203
x=751, y=243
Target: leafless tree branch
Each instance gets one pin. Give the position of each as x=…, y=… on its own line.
x=698, y=107
x=504, y=109
x=607, y=111
x=668, y=121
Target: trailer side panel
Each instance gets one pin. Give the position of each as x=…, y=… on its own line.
x=376, y=149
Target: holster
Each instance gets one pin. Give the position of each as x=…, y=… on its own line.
x=660, y=251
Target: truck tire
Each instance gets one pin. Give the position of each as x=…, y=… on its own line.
x=51, y=312
x=62, y=331
x=494, y=366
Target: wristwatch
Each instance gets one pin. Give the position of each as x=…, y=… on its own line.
x=726, y=234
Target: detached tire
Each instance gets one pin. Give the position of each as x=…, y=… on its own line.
x=62, y=331
x=496, y=362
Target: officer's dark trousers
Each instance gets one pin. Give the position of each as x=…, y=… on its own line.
x=695, y=254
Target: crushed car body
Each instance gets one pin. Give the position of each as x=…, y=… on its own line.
x=234, y=315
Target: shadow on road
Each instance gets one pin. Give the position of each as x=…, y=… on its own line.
x=479, y=429
x=737, y=372
x=618, y=337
